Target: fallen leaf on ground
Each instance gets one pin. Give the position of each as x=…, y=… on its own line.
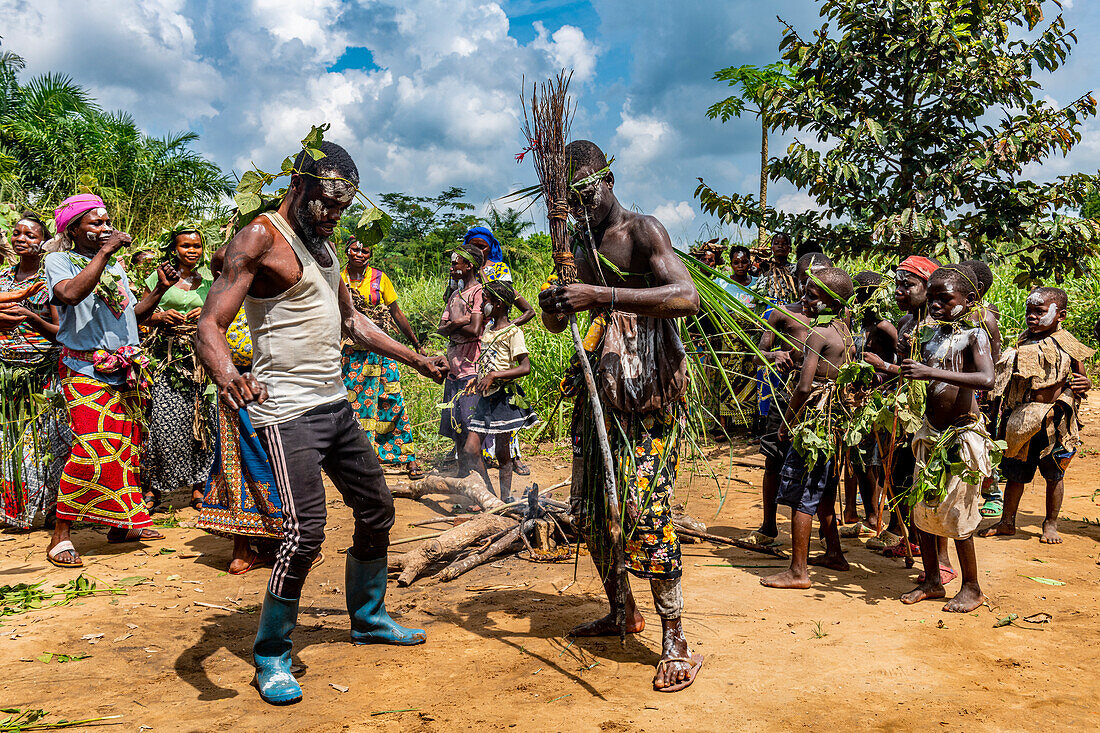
x=1006, y=621
x=1039, y=618
x=124, y=637
x=1044, y=581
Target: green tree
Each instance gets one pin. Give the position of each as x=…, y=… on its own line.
x=55, y=141
x=758, y=85
x=1091, y=208
x=923, y=115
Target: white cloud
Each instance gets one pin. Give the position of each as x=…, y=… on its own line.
x=675, y=216
x=569, y=49
x=796, y=203
x=641, y=138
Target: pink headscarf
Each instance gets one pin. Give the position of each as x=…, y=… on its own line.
x=73, y=207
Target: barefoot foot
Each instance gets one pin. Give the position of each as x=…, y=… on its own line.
x=833, y=562
x=787, y=579
x=968, y=598
x=606, y=626
x=1050, y=533
x=924, y=592
x=999, y=529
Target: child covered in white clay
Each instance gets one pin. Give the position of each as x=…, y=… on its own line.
x=1040, y=382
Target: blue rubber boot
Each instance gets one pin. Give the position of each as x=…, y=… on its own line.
x=366, y=589
x=271, y=651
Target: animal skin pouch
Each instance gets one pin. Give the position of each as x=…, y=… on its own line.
x=643, y=365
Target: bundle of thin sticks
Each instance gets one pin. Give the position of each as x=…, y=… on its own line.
x=546, y=124
x=546, y=127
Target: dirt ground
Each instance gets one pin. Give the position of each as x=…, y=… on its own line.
x=844, y=654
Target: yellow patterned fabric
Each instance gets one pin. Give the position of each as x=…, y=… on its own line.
x=239, y=339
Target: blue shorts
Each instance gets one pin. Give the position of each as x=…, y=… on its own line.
x=803, y=490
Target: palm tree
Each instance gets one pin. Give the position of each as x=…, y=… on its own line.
x=56, y=141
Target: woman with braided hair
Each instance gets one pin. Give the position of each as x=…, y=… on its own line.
x=179, y=449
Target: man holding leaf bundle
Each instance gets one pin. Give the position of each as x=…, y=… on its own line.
x=284, y=270
x=634, y=282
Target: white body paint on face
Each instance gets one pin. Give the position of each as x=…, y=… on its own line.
x=1049, y=316
x=1034, y=299
x=338, y=190
x=318, y=210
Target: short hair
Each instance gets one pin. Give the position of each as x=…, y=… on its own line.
x=814, y=259
x=867, y=282
x=740, y=248
x=983, y=273
x=959, y=276
x=585, y=154
x=337, y=162
x=352, y=240
x=807, y=247
x=1056, y=294
x=475, y=254
x=783, y=236
x=502, y=290
x=33, y=218
x=838, y=281
x=868, y=279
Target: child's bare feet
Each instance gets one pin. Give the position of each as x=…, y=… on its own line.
x=787, y=579
x=833, y=562
x=606, y=626
x=1001, y=528
x=926, y=591
x=1050, y=533
x=966, y=600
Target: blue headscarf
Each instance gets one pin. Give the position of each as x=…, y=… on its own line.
x=495, y=253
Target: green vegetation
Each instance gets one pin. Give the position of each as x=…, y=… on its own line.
x=914, y=123
x=55, y=141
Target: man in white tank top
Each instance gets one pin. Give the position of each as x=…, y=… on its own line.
x=284, y=271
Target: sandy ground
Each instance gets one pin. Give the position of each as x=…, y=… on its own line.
x=844, y=654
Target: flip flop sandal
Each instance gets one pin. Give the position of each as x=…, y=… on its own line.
x=143, y=535
x=415, y=474
x=760, y=539
x=947, y=574
x=520, y=468
x=898, y=550
x=696, y=663
x=992, y=508
x=152, y=501
x=59, y=549
x=257, y=561
x=885, y=540
x=856, y=530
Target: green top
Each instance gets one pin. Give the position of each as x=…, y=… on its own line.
x=183, y=300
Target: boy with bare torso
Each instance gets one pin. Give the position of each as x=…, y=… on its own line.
x=781, y=345
x=653, y=283
x=955, y=359
x=876, y=336
x=807, y=489
x=910, y=294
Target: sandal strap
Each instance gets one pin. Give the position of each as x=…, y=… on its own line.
x=675, y=659
x=60, y=547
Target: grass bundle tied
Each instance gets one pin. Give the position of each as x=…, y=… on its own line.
x=546, y=127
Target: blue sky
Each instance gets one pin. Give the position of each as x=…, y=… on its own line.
x=425, y=93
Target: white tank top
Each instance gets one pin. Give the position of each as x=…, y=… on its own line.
x=296, y=338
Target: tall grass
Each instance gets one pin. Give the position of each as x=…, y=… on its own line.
x=420, y=295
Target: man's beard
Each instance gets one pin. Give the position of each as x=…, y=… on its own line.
x=313, y=241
